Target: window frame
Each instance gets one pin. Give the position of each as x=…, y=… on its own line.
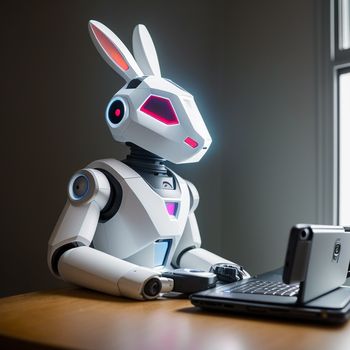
x=339, y=72
x=339, y=54
x=330, y=61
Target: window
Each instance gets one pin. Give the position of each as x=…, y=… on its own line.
x=344, y=24
x=344, y=146
x=341, y=98
x=333, y=45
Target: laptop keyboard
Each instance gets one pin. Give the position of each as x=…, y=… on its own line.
x=265, y=287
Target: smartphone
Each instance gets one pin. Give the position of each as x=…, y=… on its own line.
x=318, y=257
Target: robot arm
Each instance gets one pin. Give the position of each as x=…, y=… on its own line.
x=71, y=258
x=188, y=253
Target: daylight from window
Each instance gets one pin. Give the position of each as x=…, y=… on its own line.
x=344, y=24
x=344, y=149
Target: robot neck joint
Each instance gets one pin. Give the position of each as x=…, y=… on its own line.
x=145, y=162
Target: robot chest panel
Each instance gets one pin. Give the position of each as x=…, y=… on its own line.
x=147, y=226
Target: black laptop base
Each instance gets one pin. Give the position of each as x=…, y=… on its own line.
x=332, y=307
x=301, y=313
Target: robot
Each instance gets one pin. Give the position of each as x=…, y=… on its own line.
x=125, y=222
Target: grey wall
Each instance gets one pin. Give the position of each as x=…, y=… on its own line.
x=250, y=66
x=269, y=139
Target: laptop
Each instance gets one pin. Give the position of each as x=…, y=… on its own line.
x=308, y=287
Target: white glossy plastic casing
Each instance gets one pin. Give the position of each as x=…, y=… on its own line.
x=142, y=218
x=167, y=141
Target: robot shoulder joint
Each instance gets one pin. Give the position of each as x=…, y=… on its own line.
x=89, y=185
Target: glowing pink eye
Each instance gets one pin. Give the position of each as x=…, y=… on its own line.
x=192, y=143
x=117, y=112
x=161, y=109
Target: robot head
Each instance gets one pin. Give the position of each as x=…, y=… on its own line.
x=150, y=111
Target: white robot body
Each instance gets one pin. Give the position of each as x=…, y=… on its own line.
x=126, y=222
x=147, y=227
x=148, y=234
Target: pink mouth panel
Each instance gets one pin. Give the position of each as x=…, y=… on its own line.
x=192, y=143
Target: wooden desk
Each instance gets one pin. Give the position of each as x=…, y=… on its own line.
x=81, y=319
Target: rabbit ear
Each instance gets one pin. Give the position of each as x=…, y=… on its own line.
x=144, y=51
x=114, y=52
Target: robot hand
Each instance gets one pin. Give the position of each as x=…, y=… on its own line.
x=228, y=273
x=156, y=285
x=142, y=283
